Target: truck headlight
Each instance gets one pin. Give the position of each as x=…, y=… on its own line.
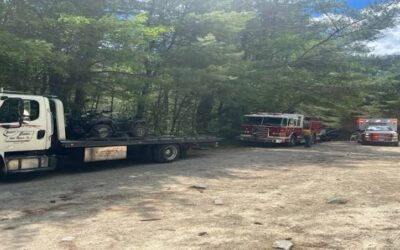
x=13, y=165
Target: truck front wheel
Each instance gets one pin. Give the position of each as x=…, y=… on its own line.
x=3, y=174
x=167, y=153
x=292, y=141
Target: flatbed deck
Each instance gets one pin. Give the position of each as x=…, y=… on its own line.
x=137, y=141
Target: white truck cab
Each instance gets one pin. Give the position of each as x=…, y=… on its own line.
x=26, y=130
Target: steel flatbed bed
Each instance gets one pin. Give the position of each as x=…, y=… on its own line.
x=135, y=141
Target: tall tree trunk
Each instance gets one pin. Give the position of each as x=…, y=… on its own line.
x=204, y=112
x=79, y=101
x=141, y=105
x=165, y=112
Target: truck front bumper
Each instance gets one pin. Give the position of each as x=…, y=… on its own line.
x=380, y=142
x=28, y=164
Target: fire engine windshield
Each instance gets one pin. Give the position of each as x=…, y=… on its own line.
x=253, y=120
x=273, y=121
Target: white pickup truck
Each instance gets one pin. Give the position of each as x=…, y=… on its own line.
x=33, y=138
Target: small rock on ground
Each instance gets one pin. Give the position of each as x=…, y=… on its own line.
x=68, y=238
x=218, y=202
x=337, y=200
x=199, y=186
x=282, y=245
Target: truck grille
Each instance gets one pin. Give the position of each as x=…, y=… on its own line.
x=260, y=131
x=381, y=137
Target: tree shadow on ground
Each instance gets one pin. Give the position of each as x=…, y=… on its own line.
x=83, y=191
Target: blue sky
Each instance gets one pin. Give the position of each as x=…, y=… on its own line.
x=387, y=44
x=358, y=4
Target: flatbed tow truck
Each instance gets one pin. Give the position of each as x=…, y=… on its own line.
x=33, y=139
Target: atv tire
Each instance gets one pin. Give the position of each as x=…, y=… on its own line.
x=101, y=131
x=139, y=130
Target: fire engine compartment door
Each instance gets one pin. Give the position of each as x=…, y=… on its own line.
x=105, y=153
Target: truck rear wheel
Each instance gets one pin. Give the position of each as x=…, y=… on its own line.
x=167, y=153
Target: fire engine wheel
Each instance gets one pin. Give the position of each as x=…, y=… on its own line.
x=167, y=153
x=101, y=131
x=292, y=141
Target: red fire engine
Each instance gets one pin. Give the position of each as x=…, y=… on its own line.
x=278, y=128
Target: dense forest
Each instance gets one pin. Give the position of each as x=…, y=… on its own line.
x=196, y=66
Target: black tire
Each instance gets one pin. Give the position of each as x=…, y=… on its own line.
x=167, y=153
x=3, y=175
x=101, y=131
x=138, y=130
x=292, y=141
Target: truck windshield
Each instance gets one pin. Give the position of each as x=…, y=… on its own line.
x=272, y=121
x=253, y=120
x=379, y=128
x=9, y=111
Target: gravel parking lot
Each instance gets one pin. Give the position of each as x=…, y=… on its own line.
x=333, y=196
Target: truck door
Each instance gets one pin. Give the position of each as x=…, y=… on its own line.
x=24, y=124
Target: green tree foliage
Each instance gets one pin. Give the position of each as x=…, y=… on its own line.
x=192, y=66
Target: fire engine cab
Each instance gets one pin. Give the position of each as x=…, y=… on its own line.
x=278, y=128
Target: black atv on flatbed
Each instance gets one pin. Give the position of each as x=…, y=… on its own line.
x=100, y=126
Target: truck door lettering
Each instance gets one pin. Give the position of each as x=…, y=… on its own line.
x=18, y=136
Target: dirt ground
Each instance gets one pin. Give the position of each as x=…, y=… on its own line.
x=253, y=196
